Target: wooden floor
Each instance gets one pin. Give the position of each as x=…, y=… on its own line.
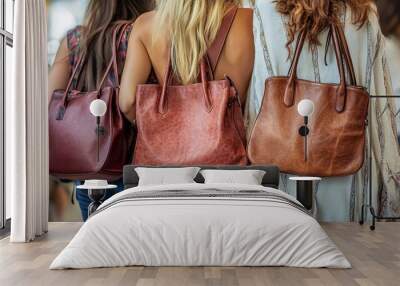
x=375, y=257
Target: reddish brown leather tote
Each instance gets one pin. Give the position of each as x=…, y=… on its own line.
x=75, y=151
x=196, y=124
x=337, y=128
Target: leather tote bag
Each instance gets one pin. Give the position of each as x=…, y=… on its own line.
x=337, y=128
x=76, y=150
x=196, y=124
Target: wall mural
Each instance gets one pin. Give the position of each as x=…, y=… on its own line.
x=338, y=198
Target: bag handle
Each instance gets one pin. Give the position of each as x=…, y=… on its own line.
x=114, y=60
x=347, y=56
x=345, y=51
x=76, y=72
x=299, y=47
x=162, y=103
x=341, y=93
x=78, y=68
x=340, y=47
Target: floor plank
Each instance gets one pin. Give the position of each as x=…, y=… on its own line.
x=375, y=257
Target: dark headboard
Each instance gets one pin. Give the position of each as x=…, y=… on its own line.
x=271, y=177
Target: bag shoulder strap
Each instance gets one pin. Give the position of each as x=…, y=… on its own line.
x=215, y=50
x=347, y=55
x=113, y=65
x=339, y=48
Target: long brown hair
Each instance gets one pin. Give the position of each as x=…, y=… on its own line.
x=100, y=18
x=317, y=15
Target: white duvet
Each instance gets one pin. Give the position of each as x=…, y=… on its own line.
x=201, y=231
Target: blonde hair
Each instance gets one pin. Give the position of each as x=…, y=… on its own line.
x=193, y=25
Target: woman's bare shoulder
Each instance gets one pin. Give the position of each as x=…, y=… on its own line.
x=144, y=23
x=245, y=13
x=244, y=19
x=242, y=26
x=240, y=41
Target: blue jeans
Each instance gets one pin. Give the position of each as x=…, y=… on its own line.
x=84, y=200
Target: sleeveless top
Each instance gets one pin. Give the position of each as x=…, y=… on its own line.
x=73, y=41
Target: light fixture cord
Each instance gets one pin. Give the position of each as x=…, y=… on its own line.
x=98, y=138
x=305, y=139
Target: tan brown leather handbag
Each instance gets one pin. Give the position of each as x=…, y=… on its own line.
x=79, y=149
x=197, y=124
x=337, y=127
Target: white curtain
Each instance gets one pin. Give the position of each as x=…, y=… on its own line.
x=26, y=124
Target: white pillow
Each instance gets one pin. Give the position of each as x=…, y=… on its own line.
x=166, y=176
x=247, y=177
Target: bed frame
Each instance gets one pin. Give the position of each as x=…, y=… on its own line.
x=271, y=177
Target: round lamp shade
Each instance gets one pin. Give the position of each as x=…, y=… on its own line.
x=305, y=107
x=98, y=108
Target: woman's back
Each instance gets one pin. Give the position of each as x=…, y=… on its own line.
x=95, y=40
x=147, y=52
x=338, y=199
x=236, y=53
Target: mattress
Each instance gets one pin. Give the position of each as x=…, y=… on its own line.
x=201, y=225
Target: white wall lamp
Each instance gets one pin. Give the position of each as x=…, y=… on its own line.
x=305, y=108
x=98, y=108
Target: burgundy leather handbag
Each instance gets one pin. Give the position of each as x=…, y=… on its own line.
x=337, y=127
x=75, y=151
x=196, y=124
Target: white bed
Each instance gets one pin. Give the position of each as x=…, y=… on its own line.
x=201, y=225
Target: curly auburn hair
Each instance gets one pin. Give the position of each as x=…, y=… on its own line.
x=317, y=15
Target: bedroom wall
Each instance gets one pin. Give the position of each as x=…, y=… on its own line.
x=334, y=200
